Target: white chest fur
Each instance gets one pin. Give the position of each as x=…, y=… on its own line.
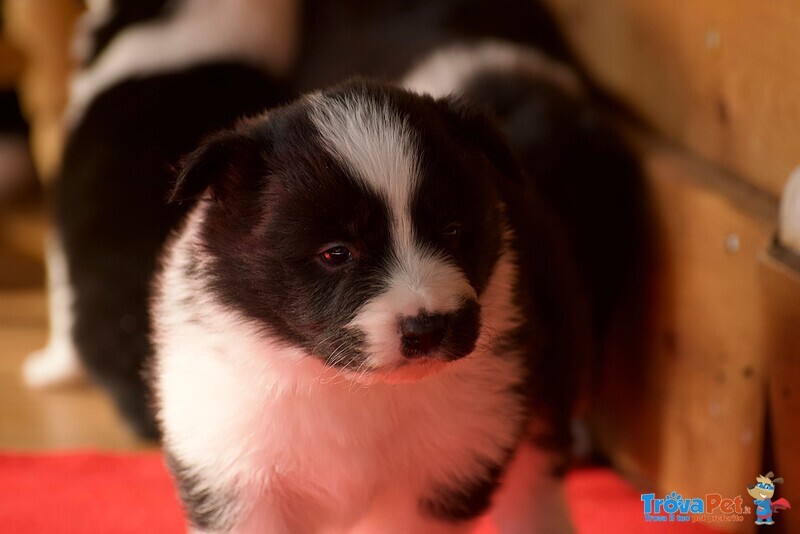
x=264, y=420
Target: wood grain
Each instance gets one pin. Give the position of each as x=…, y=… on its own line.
x=721, y=77
x=780, y=279
x=10, y=65
x=42, y=32
x=691, y=417
x=75, y=417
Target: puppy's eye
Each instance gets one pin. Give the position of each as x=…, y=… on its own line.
x=336, y=255
x=452, y=231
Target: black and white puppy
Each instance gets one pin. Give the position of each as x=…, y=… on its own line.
x=369, y=321
x=377, y=314
x=157, y=77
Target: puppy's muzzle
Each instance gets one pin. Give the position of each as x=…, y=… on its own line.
x=448, y=336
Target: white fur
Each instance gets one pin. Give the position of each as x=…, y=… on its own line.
x=380, y=149
x=789, y=224
x=57, y=363
x=446, y=71
x=419, y=282
x=302, y=452
x=377, y=145
x=260, y=32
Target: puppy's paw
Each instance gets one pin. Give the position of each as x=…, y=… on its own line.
x=54, y=365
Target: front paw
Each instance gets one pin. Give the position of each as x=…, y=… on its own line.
x=52, y=366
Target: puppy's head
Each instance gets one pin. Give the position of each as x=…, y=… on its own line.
x=361, y=224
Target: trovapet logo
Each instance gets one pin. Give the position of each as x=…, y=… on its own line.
x=762, y=492
x=711, y=508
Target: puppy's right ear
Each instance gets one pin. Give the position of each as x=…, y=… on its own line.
x=219, y=166
x=475, y=127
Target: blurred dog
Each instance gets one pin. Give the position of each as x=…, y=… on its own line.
x=157, y=76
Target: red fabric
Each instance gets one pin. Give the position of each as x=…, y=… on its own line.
x=132, y=493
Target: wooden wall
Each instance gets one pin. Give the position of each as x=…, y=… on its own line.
x=708, y=394
x=718, y=76
x=10, y=65
x=41, y=32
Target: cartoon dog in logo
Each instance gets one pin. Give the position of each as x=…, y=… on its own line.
x=762, y=491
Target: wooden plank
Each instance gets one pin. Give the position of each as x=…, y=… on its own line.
x=684, y=408
x=780, y=277
x=69, y=417
x=42, y=31
x=719, y=76
x=10, y=65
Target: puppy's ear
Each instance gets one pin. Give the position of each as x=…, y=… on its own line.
x=475, y=128
x=221, y=164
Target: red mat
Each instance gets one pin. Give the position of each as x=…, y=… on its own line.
x=77, y=493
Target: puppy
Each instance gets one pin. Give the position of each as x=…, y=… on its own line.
x=352, y=322
x=381, y=310
x=157, y=76
x=509, y=59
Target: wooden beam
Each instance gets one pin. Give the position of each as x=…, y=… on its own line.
x=780, y=282
x=684, y=408
x=720, y=77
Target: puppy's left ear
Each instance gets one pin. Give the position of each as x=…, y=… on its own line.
x=221, y=164
x=476, y=128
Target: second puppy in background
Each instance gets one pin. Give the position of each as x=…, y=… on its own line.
x=157, y=76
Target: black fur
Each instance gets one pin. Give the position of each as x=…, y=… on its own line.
x=384, y=38
x=467, y=500
x=262, y=247
x=580, y=166
x=578, y=215
x=205, y=508
x=584, y=185
x=111, y=210
x=276, y=196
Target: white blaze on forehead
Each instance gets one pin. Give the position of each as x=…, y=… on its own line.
x=376, y=144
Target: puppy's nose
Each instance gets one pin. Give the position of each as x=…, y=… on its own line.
x=422, y=334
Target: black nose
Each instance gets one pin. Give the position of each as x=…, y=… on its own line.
x=422, y=333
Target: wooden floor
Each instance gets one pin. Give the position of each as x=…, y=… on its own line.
x=77, y=417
